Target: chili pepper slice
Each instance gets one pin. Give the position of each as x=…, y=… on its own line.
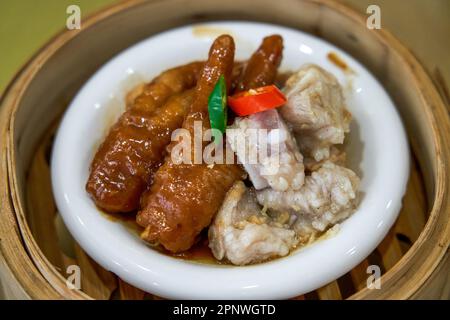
x=217, y=108
x=256, y=100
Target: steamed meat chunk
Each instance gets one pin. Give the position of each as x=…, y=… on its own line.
x=268, y=151
x=336, y=156
x=242, y=234
x=316, y=111
x=327, y=197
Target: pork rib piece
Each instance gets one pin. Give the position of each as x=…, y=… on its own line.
x=328, y=196
x=242, y=234
x=316, y=111
x=270, y=157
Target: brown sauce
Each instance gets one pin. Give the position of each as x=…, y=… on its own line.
x=128, y=220
x=199, y=252
x=338, y=62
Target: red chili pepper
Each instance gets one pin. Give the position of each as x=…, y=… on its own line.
x=256, y=100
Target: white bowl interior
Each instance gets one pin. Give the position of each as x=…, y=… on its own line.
x=377, y=150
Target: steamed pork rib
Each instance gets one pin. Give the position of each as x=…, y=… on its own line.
x=267, y=150
x=336, y=156
x=316, y=111
x=184, y=197
x=328, y=196
x=242, y=234
x=125, y=161
x=254, y=226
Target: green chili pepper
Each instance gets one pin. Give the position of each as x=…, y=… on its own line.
x=217, y=108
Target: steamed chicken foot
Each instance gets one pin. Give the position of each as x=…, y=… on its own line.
x=123, y=165
x=262, y=67
x=184, y=197
x=328, y=196
x=175, y=80
x=242, y=234
x=267, y=150
x=316, y=111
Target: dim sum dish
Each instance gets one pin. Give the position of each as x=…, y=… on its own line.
x=230, y=160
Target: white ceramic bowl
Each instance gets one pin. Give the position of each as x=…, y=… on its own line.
x=377, y=148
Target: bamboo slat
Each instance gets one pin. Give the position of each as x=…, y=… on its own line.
x=95, y=281
x=330, y=292
x=41, y=205
x=359, y=275
x=128, y=292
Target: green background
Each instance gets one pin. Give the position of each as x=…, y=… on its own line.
x=25, y=25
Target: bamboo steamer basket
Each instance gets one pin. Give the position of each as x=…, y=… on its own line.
x=35, y=248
